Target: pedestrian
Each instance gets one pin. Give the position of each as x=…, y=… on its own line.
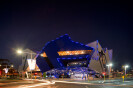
x=85, y=77
x=93, y=76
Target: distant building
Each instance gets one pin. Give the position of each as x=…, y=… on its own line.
x=24, y=67
x=6, y=67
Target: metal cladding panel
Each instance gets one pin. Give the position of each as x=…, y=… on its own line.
x=94, y=44
x=100, y=57
x=95, y=65
x=107, y=56
x=51, y=51
x=110, y=52
x=42, y=64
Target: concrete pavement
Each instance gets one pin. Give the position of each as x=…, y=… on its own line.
x=115, y=82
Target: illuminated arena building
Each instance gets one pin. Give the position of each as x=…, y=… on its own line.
x=64, y=56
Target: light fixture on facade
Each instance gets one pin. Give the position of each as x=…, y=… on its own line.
x=82, y=52
x=77, y=52
x=42, y=55
x=67, y=52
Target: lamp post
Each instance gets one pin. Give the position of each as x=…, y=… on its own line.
x=109, y=68
x=126, y=66
x=19, y=51
x=31, y=53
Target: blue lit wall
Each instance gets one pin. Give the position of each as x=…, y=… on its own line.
x=63, y=43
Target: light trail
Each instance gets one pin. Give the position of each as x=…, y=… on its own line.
x=39, y=84
x=73, y=82
x=45, y=82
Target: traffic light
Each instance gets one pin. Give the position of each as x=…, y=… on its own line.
x=104, y=73
x=0, y=72
x=35, y=73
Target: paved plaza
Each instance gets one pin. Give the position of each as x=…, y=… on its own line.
x=65, y=83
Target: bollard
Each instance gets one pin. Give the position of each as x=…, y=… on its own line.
x=123, y=78
x=104, y=77
x=35, y=77
x=88, y=78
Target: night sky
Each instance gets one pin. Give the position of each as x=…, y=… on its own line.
x=31, y=24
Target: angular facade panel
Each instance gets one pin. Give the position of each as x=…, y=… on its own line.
x=110, y=52
x=100, y=58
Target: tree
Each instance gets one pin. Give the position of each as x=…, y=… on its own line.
x=44, y=75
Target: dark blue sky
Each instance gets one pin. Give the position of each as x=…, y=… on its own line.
x=31, y=24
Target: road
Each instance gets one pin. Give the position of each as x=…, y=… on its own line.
x=65, y=84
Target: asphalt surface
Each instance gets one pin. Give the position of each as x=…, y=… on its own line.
x=66, y=84
x=69, y=85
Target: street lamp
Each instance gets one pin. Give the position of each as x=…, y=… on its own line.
x=126, y=66
x=109, y=68
x=12, y=66
x=19, y=51
x=31, y=62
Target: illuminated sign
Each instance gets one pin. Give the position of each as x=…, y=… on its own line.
x=31, y=63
